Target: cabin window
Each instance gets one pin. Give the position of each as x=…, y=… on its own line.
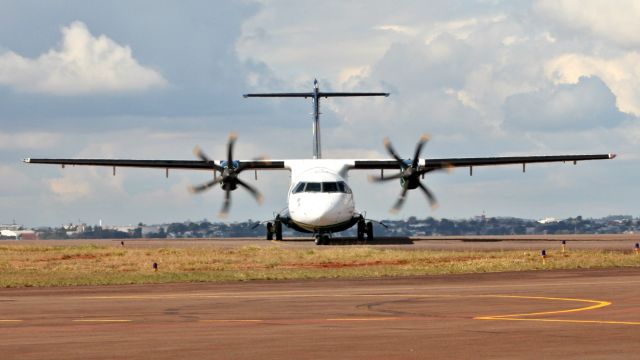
x=299, y=188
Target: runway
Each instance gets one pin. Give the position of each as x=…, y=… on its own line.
x=551, y=314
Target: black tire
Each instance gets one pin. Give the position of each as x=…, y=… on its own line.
x=269, y=231
x=369, y=231
x=318, y=240
x=325, y=239
x=278, y=229
x=361, y=230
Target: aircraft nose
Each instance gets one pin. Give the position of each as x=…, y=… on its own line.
x=323, y=212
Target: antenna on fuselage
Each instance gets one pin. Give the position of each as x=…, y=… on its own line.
x=315, y=95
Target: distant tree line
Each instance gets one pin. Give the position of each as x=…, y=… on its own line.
x=410, y=227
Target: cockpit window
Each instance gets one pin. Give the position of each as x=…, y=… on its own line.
x=299, y=188
x=344, y=187
x=329, y=187
x=312, y=187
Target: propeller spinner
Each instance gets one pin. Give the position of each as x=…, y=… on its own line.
x=409, y=175
x=228, y=179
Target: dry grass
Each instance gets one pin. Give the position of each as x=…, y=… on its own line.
x=22, y=266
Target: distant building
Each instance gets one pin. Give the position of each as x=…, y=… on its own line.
x=548, y=220
x=19, y=234
x=12, y=227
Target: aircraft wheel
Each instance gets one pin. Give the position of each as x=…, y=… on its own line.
x=325, y=239
x=361, y=230
x=278, y=229
x=318, y=239
x=269, y=231
x=369, y=231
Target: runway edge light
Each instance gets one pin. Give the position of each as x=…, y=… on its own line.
x=544, y=256
x=637, y=248
x=564, y=245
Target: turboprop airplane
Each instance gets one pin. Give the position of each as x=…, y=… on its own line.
x=320, y=200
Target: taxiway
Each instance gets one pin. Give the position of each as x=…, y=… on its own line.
x=573, y=314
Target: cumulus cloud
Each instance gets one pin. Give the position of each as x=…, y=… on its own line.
x=622, y=75
x=83, y=64
x=588, y=103
x=615, y=21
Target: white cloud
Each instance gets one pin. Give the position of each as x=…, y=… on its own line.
x=69, y=189
x=585, y=105
x=615, y=21
x=461, y=28
x=84, y=64
x=621, y=74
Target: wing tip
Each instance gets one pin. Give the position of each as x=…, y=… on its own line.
x=26, y=160
x=612, y=156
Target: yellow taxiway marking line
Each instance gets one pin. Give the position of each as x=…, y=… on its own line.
x=102, y=320
x=596, y=304
x=563, y=321
x=534, y=316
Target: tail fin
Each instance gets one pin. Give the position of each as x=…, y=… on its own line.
x=316, y=94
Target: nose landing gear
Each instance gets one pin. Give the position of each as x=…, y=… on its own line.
x=322, y=239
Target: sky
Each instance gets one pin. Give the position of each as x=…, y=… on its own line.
x=153, y=79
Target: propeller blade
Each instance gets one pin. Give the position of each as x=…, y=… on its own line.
x=374, y=178
x=232, y=140
x=432, y=199
x=227, y=203
x=197, y=151
x=243, y=166
x=392, y=152
x=256, y=194
x=203, y=187
x=416, y=157
x=403, y=195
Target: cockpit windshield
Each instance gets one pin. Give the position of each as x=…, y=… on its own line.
x=313, y=187
x=326, y=187
x=329, y=187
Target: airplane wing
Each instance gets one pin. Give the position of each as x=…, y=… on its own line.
x=434, y=164
x=161, y=164
x=412, y=170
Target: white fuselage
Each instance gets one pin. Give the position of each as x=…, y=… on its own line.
x=319, y=196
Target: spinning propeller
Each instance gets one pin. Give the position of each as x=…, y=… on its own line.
x=228, y=179
x=409, y=175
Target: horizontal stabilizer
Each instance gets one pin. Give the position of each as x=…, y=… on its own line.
x=320, y=94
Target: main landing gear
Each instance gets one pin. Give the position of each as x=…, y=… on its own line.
x=274, y=229
x=365, y=228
